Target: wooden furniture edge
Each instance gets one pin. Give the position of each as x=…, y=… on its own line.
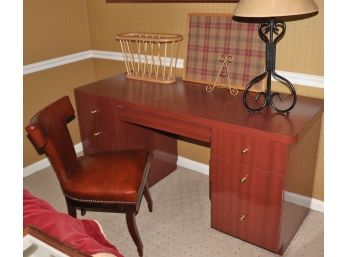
x=53, y=242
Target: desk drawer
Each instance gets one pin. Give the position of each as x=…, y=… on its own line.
x=97, y=128
x=249, y=150
x=249, y=220
x=179, y=127
x=248, y=209
x=230, y=176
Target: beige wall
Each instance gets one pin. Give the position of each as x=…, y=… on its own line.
x=42, y=88
x=57, y=28
x=53, y=29
x=303, y=38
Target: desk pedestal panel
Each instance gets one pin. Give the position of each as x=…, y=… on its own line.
x=251, y=178
x=102, y=129
x=246, y=202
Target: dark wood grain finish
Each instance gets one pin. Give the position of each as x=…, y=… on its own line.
x=131, y=136
x=160, y=122
x=165, y=155
x=100, y=131
x=53, y=242
x=246, y=179
x=162, y=146
x=280, y=149
x=190, y=102
x=135, y=134
x=249, y=150
x=301, y=164
x=249, y=209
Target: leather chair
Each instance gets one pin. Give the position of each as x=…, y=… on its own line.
x=110, y=181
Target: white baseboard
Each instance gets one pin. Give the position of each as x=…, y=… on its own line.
x=301, y=200
x=36, y=166
x=193, y=165
x=317, y=205
x=295, y=78
x=78, y=148
x=44, y=163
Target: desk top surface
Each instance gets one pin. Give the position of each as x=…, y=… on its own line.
x=190, y=101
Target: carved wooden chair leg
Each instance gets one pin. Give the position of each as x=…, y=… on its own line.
x=71, y=208
x=83, y=211
x=133, y=231
x=148, y=197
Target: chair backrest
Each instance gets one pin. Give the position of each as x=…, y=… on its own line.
x=48, y=132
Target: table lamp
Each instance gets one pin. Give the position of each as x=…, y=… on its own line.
x=271, y=15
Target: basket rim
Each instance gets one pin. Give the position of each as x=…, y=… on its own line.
x=150, y=37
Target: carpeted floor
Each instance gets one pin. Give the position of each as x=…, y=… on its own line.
x=179, y=225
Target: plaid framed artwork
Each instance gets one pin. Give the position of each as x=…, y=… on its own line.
x=212, y=35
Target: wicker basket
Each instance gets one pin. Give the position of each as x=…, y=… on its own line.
x=150, y=56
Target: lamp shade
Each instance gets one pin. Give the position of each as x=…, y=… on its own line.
x=274, y=8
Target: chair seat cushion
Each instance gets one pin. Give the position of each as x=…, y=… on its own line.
x=111, y=177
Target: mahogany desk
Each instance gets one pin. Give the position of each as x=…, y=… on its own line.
x=255, y=158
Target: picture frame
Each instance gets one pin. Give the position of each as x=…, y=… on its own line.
x=213, y=35
x=36, y=238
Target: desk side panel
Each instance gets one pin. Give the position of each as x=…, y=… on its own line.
x=299, y=180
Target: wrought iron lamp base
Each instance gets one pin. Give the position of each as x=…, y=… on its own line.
x=278, y=29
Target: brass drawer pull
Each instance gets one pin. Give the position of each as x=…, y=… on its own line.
x=95, y=111
x=243, y=218
x=119, y=106
x=244, y=179
x=97, y=133
x=245, y=151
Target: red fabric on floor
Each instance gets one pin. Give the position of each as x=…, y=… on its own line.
x=83, y=235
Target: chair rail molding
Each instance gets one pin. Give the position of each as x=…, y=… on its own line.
x=295, y=78
x=55, y=62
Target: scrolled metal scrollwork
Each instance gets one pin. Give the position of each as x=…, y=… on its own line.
x=224, y=61
x=271, y=33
